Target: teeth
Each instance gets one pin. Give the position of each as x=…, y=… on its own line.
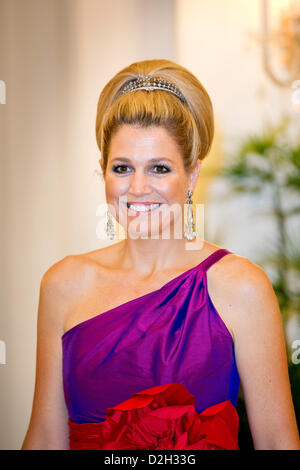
x=142, y=208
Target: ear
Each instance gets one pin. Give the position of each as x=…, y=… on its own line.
x=101, y=165
x=194, y=174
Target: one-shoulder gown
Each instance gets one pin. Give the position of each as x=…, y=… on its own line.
x=172, y=336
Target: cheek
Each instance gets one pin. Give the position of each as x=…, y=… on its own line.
x=172, y=189
x=114, y=187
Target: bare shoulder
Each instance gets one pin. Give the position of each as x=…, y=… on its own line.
x=75, y=270
x=63, y=276
x=70, y=277
x=239, y=274
x=242, y=291
x=62, y=285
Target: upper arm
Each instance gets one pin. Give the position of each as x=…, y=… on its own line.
x=48, y=427
x=261, y=359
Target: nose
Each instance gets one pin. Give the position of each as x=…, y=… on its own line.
x=139, y=184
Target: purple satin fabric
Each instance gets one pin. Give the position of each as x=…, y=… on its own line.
x=173, y=334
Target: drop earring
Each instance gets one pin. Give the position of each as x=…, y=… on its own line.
x=189, y=227
x=110, y=229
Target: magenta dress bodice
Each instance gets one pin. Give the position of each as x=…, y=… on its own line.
x=173, y=334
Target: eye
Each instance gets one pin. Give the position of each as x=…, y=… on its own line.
x=121, y=169
x=163, y=167
x=120, y=166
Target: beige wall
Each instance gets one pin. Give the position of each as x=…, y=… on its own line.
x=56, y=55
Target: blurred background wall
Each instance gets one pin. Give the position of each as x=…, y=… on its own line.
x=55, y=57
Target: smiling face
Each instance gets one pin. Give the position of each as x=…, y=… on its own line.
x=145, y=167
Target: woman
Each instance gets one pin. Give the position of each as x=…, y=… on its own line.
x=143, y=344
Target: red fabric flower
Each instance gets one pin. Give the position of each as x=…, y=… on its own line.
x=162, y=417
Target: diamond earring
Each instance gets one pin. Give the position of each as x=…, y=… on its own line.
x=110, y=229
x=189, y=227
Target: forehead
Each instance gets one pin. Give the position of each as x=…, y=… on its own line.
x=130, y=141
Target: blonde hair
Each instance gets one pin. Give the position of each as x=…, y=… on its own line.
x=191, y=124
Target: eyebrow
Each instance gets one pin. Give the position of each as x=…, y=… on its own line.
x=152, y=160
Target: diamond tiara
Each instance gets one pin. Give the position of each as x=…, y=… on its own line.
x=146, y=82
